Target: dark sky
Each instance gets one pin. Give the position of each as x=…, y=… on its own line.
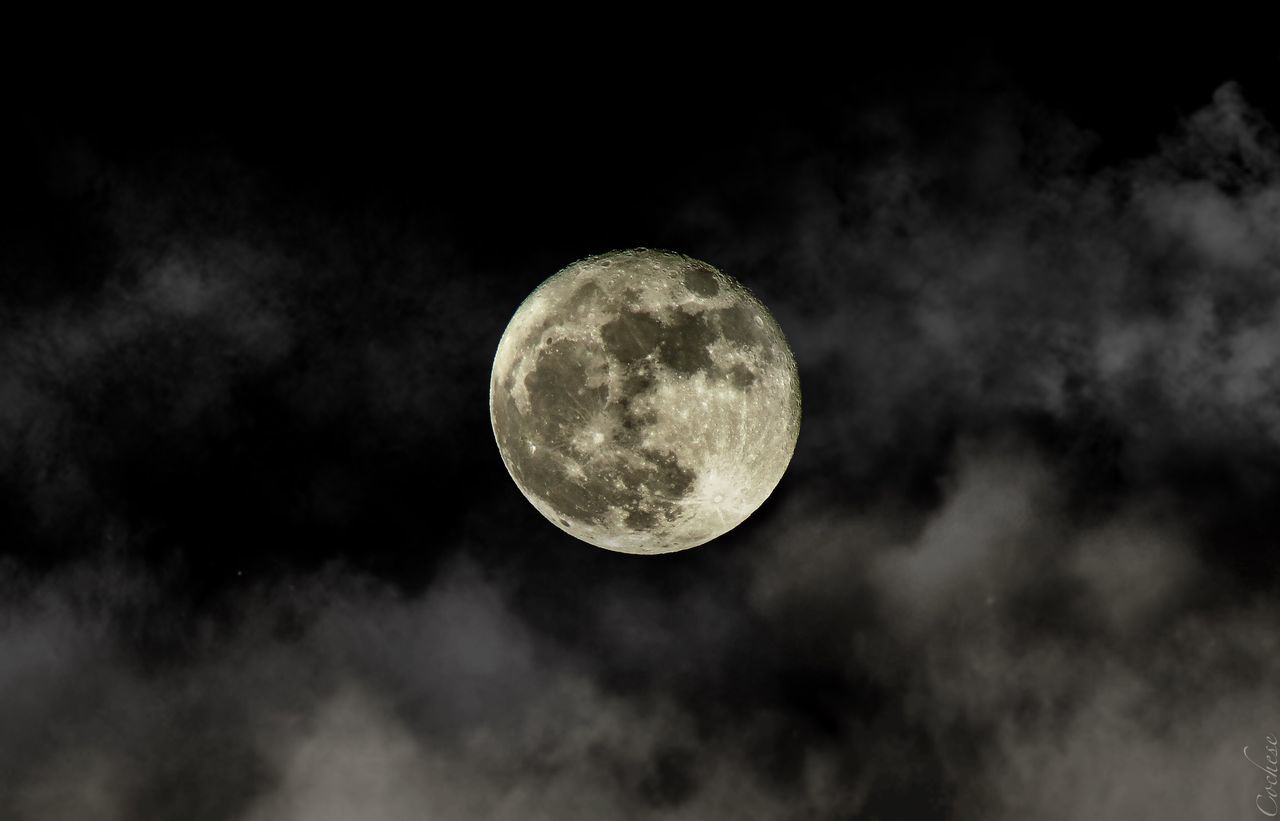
x=260, y=559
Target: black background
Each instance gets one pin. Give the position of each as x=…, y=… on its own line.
x=515, y=168
x=391, y=210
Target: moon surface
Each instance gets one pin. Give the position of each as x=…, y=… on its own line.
x=644, y=401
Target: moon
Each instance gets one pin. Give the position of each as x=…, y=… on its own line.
x=644, y=401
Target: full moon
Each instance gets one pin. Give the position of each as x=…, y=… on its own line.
x=644, y=401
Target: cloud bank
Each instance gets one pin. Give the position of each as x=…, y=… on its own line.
x=1018, y=569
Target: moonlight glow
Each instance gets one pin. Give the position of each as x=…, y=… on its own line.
x=644, y=401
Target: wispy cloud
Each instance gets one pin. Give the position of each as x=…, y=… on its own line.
x=998, y=581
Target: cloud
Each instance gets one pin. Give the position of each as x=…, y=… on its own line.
x=336, y=697
x=1002, y=278
x=1061, y=668
x=1001, y=579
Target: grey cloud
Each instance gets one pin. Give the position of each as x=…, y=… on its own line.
x=170, y=343
x=1135, y=566
x=1158, y=732
x=337, y=698
x=1079, y=651
x=919, y=285
x=996, y=649
x=196, y=309
x=975, y=546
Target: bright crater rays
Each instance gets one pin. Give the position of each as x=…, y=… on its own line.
x=644, y=401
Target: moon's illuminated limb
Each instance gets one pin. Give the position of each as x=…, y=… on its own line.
x=644, y=401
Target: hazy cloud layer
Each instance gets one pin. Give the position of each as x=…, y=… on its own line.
x=999, y=583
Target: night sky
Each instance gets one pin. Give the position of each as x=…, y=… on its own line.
x=260, y=559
